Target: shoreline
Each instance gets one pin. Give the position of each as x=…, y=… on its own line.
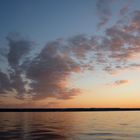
x=65, y=109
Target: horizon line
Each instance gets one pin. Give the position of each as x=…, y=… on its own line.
x=65, y=109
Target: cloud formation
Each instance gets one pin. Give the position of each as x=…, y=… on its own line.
x=120, y=82
x=47, y=74
x=125, y=8
x=103, y=11
x=5, y=84
x=18, y=49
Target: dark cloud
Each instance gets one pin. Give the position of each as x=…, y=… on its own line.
x=5, y=84
x=120, y=44
x=125, y=8
x=50, y=71
x=103, y=11
x=134, y=22
x=135, y=65
x=18, y=48
x=47, y=74
x=3, y=53
x=122, y=41
x=11, y=79
x=80, y=45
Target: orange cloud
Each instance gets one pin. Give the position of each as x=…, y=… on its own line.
x=120, y=82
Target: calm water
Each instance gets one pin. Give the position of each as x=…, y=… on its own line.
x=70, y=126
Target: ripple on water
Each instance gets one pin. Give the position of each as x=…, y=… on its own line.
x=123, y=123
x=36, y=135
x=114, y=135
x=75, y=126
x=48, y=136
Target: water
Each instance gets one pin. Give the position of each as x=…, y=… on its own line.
x=70, y=126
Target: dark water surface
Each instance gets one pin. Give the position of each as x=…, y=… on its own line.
x=70, y=126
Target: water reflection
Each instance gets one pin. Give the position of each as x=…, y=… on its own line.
x=27, y=126
x=70, y=126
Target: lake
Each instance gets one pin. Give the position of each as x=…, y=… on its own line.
x=70, y=125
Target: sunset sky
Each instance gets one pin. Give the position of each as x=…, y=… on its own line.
x=69, y=53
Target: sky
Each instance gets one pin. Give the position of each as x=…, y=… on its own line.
x=69, y=53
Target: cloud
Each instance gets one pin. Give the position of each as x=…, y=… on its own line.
x=5, y=84
x=11, y=79
x=103, y=11
x=135, y=65
x=131, y=23
x=125, y=8
x=122, y=40
x=47, y=74
x=120, y=82
x=80, y=45
x=50, y=71
x=18, y=49
x=117, y=83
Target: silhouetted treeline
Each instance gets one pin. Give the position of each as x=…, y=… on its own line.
x=65, y=109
